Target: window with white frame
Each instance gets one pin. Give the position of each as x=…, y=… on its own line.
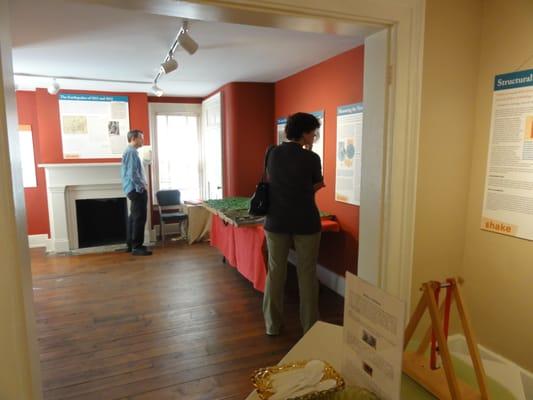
x=187, y=150
x=178, y=156
x=27, y=156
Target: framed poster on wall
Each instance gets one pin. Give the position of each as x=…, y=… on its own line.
x=508, y=197
x=280, y=125
x=349, y=143
x=318, y=146
x=93, y=126
x=27, y=156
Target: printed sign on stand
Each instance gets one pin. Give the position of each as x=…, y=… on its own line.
x=372, y=338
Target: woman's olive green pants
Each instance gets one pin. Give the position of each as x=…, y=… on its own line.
x=306, y=247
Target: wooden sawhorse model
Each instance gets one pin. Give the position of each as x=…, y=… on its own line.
x=442, y=382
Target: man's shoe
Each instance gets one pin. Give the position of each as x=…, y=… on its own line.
x=141, y=252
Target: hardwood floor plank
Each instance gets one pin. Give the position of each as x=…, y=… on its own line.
x=177, y=325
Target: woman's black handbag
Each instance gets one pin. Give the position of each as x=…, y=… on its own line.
x=259, y=200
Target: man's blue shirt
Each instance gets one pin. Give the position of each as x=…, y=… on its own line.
x=131, y=172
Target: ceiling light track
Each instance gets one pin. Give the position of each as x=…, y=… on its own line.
x=169, y=63
x=79, y=78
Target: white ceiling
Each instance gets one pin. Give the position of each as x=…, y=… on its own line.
x=68, y=39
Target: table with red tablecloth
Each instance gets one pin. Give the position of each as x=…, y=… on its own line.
x=244, y=246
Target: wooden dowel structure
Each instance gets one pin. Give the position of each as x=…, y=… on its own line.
x=413, y=322
x=442, y=382
x=424, y=344
x=471, y=342
x=441, y=340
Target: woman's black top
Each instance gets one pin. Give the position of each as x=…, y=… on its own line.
x=292, y=171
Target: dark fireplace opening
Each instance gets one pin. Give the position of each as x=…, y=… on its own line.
x=101, y=221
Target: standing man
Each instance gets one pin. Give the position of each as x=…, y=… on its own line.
x=135, y=187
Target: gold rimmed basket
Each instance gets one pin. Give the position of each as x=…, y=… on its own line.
x=262, y=380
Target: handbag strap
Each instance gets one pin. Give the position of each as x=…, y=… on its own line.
x=263, y=177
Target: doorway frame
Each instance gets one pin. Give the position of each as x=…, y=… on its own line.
x=155, y=109
x=405, y=20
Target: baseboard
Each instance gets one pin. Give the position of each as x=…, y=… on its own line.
x=35, y=241
x=57, y=246
x=513, y=377
x=328, y=278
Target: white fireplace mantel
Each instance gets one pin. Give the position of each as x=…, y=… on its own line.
x=63, y=181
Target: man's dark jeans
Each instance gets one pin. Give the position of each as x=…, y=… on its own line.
x=137, y=219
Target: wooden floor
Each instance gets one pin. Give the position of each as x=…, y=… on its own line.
x=177, y=325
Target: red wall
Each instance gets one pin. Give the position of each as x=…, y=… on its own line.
x=41, y=110
x=248, y=115
x=36, y=201
x=325, y=86
x=175, y=100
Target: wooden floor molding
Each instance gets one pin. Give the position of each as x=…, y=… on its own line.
x=177, y=325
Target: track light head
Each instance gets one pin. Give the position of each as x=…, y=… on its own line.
x=157, y=90
x=187, y=42
x=54, y=87
x=168, y=66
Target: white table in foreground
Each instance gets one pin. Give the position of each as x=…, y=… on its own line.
x=323, y=341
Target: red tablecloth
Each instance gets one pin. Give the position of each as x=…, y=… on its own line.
x=244, y=247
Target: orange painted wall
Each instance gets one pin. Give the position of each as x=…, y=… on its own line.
x=41, y=110
x=248, y=115
x=325, y=86
x=36, y=201
x=175, y=100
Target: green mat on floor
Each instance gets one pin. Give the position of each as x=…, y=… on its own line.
x=413, y=391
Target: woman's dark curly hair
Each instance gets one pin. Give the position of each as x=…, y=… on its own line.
x=300, y=123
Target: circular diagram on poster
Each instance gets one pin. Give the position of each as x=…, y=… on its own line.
x=350, y=150
x=341, y=152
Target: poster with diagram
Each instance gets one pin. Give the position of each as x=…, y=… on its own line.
x=508, y=196
x=349, y=143
x=318, y=146
x=280, y=125
x=93, y=126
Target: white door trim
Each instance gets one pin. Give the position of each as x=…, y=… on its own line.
x=212, y=102
x=405, y=18
x=406, y=22
x=155, y=109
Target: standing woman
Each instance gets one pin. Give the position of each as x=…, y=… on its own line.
x=295, y=174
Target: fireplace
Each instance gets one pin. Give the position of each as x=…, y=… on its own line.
x=101, y=221
x=67, y=184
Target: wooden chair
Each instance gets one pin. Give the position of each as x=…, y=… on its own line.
x=170, y=210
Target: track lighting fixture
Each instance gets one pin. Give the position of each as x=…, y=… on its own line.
x=186, y=41
x=169, y=65
x=182, y=39
x=54, y=87
x=157, y=90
